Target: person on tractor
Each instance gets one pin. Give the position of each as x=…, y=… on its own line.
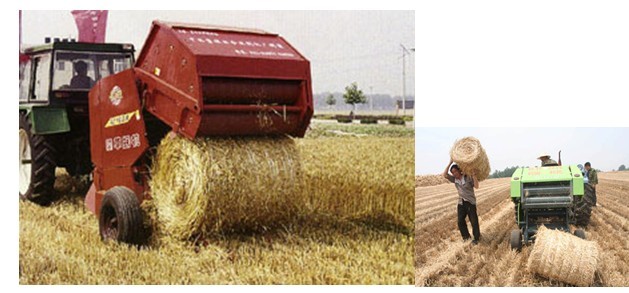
x=81, y=80
x=547, y=161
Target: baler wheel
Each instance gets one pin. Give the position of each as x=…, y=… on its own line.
x=583, y=207
x=516, y=240
x=121, y=217
x=37, y=165
x=579, y=233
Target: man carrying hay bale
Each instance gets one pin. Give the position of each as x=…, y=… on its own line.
x=466, y=207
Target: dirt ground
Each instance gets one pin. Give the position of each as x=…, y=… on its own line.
x=442, y=258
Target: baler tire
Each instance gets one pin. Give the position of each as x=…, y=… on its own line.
x=40, y=187
x=516, y=240
x=579, y=233
x=120, y=217
x=583, y=207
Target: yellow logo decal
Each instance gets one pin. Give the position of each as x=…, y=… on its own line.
x=122, y=119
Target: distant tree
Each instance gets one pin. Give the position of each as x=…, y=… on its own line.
x=354, y=96
x=330, y=100
x=622, y=168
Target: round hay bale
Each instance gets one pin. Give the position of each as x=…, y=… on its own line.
x=468, y=153
x=564, y=257
x=207, y=186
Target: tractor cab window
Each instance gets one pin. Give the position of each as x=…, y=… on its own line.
x=81, y=70
x=25, y=80
x=42, y=78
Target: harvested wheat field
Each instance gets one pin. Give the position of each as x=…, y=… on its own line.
x=353, y=231
x=443, y=259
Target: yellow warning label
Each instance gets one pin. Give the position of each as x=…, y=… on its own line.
x=122, y=119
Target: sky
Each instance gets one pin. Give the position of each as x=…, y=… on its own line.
x=605, y=148
x=343, y=46
x=535, y=63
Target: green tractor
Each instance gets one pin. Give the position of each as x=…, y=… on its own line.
x=553, y=196
x=55, y=79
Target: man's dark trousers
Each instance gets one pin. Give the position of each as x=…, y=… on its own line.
x=464, y=210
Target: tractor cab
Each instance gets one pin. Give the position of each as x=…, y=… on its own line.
x=55, y=80
x=64, y=72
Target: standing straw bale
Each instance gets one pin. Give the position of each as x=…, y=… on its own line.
x=206, y=186
x=351, y=177
x=471, y=157
x=564, y=257
x=430, y=180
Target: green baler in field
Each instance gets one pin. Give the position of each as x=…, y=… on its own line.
x=553, y=196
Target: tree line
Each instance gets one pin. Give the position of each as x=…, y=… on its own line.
x=507, y=172
x=355, y=99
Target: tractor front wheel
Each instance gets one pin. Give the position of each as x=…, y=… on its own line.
x=121, y=217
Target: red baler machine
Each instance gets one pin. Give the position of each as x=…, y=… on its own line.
x=196, y=81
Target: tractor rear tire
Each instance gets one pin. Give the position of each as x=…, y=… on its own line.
x=579, y=233
x=121, y=217
x=583, y=207
x=37, y=165
x=516, y=240
x=590, y=192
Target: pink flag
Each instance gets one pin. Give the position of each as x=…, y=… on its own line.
x=91, y=24
x=23, y=57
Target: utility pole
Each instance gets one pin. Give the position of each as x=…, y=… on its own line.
x=404, y=53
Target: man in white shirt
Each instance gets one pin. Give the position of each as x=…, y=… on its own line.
x=465, y=186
